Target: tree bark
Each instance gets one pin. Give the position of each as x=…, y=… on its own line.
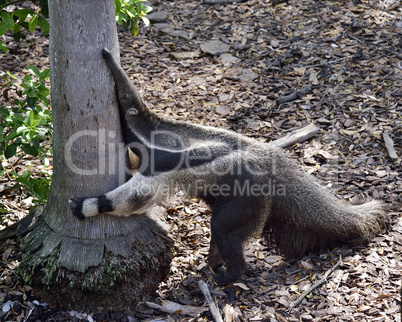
x=105, y=260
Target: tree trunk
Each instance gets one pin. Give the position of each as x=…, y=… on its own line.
x=105, y=260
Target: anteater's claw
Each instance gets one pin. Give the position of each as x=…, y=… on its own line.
x=76, y=207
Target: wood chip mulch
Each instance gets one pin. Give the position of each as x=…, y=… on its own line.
x=350, y=54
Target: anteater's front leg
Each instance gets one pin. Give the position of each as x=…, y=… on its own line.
x=232, y=224
x=134, y=197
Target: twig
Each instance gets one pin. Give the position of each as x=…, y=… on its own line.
x=212, y=307
x=14, y=2
x=393, y=52
x=267, y=289
x=222, y=1
x=297, y=136
x=389, y=144
x=295, y=95
x=176, y=308
x=331, y=61
x=275, y=2
x=316, y=285
x=16, y=162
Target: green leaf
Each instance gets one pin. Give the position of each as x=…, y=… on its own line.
x=30, y=149
x=117, y=5
x=39, y=187
x=146, y=21
x=7, y=19
x=23, y=14
x=4, y=112
x=31, y=101
x=17, y=29
x=17, y=33
x=16, y=118
x=10, y=151
x=44, y=100
x=12, y=135
x=131, y=13
x=45, y=74
x=26, y=174
x=31, y=136
x=27, y=79
x=45, y=160
x=134, y=28
x=43, y=4
x=126, y=24
x=40, y=132
x=43, y=25
x=33, y=23
x=147, y=9
x=3, y=28
x=24, y=25
x=22, y=129
x=34, y=70
x=3, y=48
x=31, y=116
x=41, y=192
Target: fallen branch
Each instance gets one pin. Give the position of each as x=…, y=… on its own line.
x=176, y=308
x=297, y=136
x=316, y=285
x=389, y=144
x=212, y=307
x=295, y=95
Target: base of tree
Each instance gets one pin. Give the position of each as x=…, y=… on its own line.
x=117, y=281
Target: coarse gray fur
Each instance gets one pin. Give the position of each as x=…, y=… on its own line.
x=251, y=187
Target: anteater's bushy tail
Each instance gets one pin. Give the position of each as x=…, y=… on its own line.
x=308, y=218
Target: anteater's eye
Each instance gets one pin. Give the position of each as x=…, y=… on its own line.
x=125, y=96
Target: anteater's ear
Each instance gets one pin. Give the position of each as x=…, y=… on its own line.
x=132, y=111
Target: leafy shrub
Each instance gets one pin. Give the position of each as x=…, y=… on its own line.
x=128, y=12
x=22, y=19
x=26, y=127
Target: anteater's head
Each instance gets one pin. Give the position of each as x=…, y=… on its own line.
x=130, y=102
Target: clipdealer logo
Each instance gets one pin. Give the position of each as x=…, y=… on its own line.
x=200, y=158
